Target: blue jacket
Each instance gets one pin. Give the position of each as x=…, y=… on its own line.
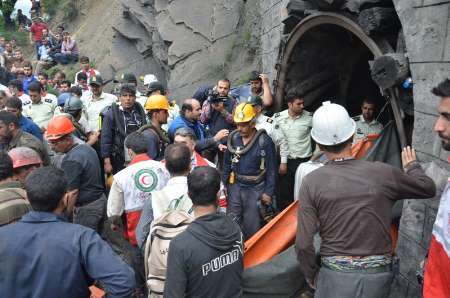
x=27, y=81
x=203, y=140
x=26, y=124
x=43, y=256
x=180, y=121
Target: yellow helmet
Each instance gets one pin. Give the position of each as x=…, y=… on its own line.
x=244, y=112
x=157, y=102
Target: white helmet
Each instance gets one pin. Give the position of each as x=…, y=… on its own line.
x=149, y=78
x=332, y=125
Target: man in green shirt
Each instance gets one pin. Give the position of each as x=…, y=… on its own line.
x=292, y=127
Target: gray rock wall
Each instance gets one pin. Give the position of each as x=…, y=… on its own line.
x=425, y=25
x=192, y=42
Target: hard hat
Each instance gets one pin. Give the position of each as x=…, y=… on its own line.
x=332, y=125
x=255, y=100
x=126, y=78
x=148, y=78
x=63, y=97
x=109, y=181
x=73, y=104
x=244, y=112
x=58, y=127
x=24, y=156
x=157, y=102
x=154, y=86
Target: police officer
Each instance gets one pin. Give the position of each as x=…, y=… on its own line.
x=250, y=170
x=293, y=129
x=40, y=110
x=366, y=123
x=157, y=107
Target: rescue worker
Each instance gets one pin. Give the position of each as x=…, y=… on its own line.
x=157, y=88
x=258, y=85
x=437, y=268
x=24, y=160
x=366, y=123
x=14, y=105
x=50, y=257
x=349, y=203
x=13, y=198
x=293, y=128
x=12, y=136
x=131, y=189
x=250, y=171
x=97, y=102
x=157, y=107
x=118, y=122
x=82, y=168
x=177, y=161
x=132, y=186
x=74, y=107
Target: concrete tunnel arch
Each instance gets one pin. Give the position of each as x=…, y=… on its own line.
x=376, y=47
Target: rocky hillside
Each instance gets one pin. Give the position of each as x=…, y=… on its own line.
x=184, y=42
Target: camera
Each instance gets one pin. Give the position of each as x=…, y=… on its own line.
x=215, y=97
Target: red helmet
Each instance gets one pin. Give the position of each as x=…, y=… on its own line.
x=24, y=156
x=59, y=127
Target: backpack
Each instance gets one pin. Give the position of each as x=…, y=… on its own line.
x=164, y=228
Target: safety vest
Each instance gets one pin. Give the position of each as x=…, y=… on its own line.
x=137, y=181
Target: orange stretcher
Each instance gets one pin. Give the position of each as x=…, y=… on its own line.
x=280, y=232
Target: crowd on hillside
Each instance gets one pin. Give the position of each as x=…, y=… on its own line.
x=139, y=194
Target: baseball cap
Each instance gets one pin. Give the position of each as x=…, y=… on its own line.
x=96, y=80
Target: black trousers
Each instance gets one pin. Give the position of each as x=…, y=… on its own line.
x=286, y=183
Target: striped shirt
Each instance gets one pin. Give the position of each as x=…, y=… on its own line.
x=13, y=202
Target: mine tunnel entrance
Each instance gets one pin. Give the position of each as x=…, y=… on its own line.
x=327, y=57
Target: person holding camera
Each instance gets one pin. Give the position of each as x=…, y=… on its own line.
x=217, y=112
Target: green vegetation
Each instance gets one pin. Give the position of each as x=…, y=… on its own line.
x=70, y=70
x=68, y=8
x=21, y=37
x=7, y=7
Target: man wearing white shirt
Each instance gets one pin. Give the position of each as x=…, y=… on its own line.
x=97, y=102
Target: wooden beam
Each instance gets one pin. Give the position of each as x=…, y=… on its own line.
x=378, y=20
x=390, y=70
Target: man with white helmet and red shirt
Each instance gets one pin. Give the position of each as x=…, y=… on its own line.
x=349, y=203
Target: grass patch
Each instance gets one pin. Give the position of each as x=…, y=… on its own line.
x=70, y=70
x=68, y=8
x=21, y=37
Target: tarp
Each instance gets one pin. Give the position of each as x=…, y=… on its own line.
x=279, y=277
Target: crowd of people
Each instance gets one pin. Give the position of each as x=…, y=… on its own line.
x=138, y=195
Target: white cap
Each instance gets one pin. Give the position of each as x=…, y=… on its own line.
x=149, y=78
x=332, y=125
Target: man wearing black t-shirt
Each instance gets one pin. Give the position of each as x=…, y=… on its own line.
x=82, y=169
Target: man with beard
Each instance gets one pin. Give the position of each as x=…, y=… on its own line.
x=258, y=85
x=40, y=110
x=366, y=123
x=11, y=136
x=217, y=114
x=118, y=122
x=82, y=169
x=437, y=270
x=190, y=117
x=250, y=171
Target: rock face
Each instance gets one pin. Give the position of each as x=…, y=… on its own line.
x=184, y=42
